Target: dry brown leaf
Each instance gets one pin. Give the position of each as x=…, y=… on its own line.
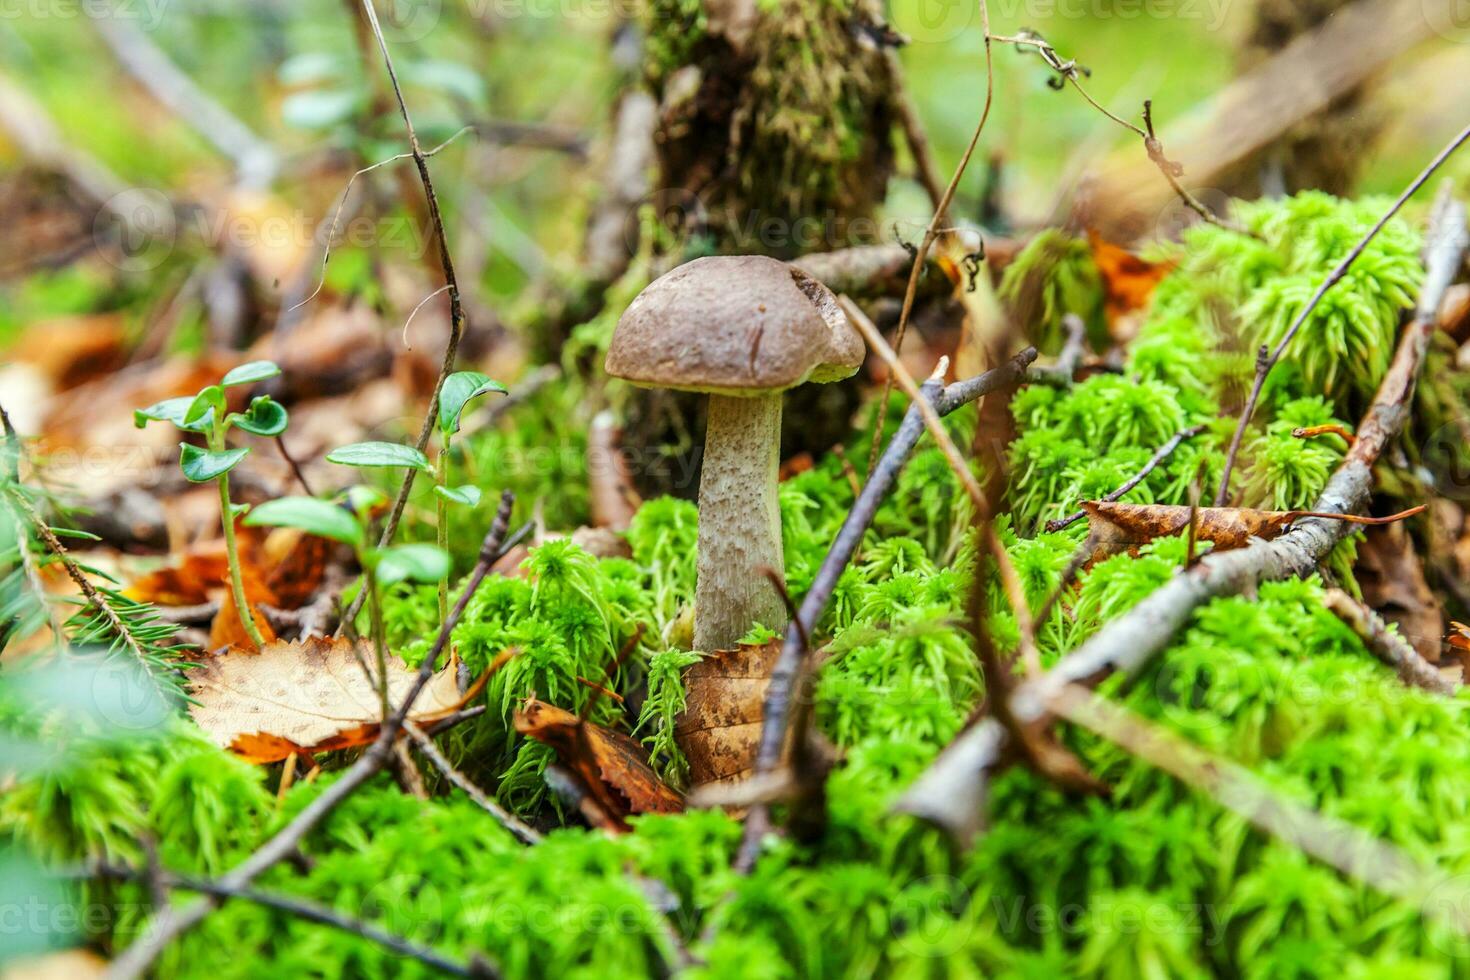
x=73, y=350
x=1128, y=281
x=613, y=768
x=284, y=569
x=227, y=629
x=1116, y=527
x=297, y=563
x=720, y=726
x=306, y=696
x=1392, y=579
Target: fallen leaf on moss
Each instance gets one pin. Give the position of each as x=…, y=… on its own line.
x=1128, y=281
x=306, y=696
x=612, y=767
x=1391, y=577
x=1115, y=527
x=720, y=726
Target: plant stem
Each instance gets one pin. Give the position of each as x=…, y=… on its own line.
x=380, y=641
x=232, y=556
x=441, y=524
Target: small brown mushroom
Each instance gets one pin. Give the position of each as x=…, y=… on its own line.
x=742, y=329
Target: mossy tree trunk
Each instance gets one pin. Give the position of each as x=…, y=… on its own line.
x=775, y=137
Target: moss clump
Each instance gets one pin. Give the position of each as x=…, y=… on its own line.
x=1052, y=276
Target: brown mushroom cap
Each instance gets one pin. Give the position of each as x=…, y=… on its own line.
x=731, y=325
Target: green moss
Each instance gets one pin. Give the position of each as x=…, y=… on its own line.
x=1156, y=880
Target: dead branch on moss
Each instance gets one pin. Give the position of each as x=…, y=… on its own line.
x=171, y=922
x=952, y=791
x=1161, y=454
x=1336, y=843
x=1061, y=373
x=1010, y=580
x=1264, y=365
x=518, y=828
x=1387, y=645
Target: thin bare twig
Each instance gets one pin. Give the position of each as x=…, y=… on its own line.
x=1388, y=646
x=932, y=232
x=1332, y=279
x=1069, y=71
x=332, y=228
x=456, y=307
x=1010, y=580
x=295, y=468
x=518, y=828
x=1158, y=457
x=300, y=908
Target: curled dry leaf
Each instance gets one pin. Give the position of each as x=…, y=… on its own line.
x=720, y=726
x=1116, y=527
x=307, y=696
x=612, y=767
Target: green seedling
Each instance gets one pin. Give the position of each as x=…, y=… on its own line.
x=458, y=391
x=207, y=414
x=351, y=524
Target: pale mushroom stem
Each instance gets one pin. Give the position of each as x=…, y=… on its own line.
x=739, y=522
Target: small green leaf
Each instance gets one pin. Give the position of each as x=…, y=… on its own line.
x=169, y=410
x=204, y=407
x=265, y=417
x=249, y=373
x=467, y=494
x=417, y=562
x=203, y=465
x=379, y=454
x=310, y=515
x=460, y=388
